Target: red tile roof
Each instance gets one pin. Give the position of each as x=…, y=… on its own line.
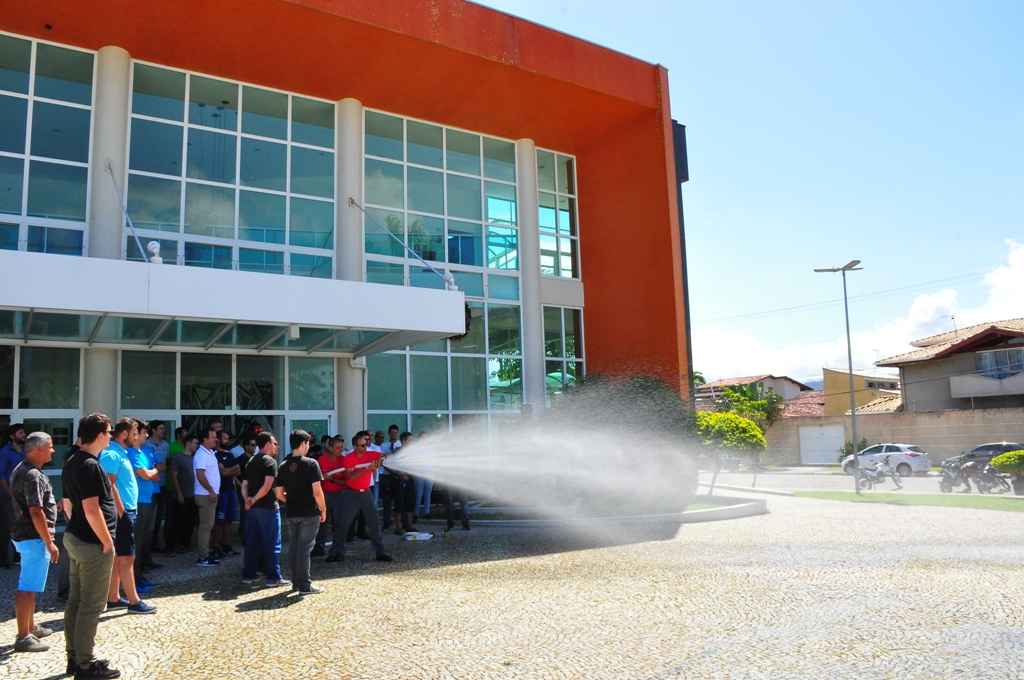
x=943, y=344
x=808, y=404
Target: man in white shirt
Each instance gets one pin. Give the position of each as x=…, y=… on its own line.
x=387, y=479
x=207, y=486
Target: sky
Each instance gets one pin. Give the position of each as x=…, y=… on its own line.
x=818, y=133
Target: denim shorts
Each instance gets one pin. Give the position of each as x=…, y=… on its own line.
x=35, y=565
x=227, y=504
x=124, y=534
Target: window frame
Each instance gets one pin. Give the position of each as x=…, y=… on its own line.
x=557, y=234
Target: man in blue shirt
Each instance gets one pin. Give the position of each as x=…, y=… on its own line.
x=148, y=480
x=118, y=467
x=159, y=451
x=12, y=453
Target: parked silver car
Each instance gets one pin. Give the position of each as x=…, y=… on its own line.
x=905, y=459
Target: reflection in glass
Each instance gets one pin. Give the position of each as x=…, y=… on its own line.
x=11, y=170
x=469, y=384
x=464, y=197
x=15, y=59
x=573, y=333
x=206, y=255
x=168, y=250
x=429, y=382
x=424, y=144
x=376, y=227
x=421, y=277
x=426, y=236
x=426, y=191
x=385, y=378
x=154, y=203
x=205, y=382
x=155, y=147
x=383, y=135
x=259, y=383
x=264, y=113
x=469, y=283
x=499, y=159
x=213, y=103
x=545, y=170
x=503, y=329
x=567, y=260
x=566, y=175
x=312, y=223
x=56, y=191
x=463, y=152
x=148, y=379
x=425, y=423
x=6, y=356
x=548, y=254
x=385, y=272
x=63, y=74
x=465, y=243
x=209, y=211
x=261, y=217
x=501, y=203
x=312, y=122
x=263, y=164
x=503, y=287
x=262, y=261
x=13, y=115
x=384, y=184
x=48, y=378
x=314, y=266
x=547, y=217
x=158, y=92
x=211, y=156
x=54, y=241
x=502, y=248
x=312, y=172
x=473, y=342
x=505, y=383
x=8, y=241
x=567, y=215
x=553, y=331
x=382, y=421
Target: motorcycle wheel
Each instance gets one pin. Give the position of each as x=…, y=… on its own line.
x=945, y=487
x=1002, y=486
x=864, y=484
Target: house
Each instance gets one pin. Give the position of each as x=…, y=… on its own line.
x=784, y=386
x=866, y=388
x=978, y=367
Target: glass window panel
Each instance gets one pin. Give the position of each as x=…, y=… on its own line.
x=383, y=135
x=432, y=346
x=314, y=266
x=503, y=287
x=429, y=382
x=154, y=203
x=312, y=172
x=385, y=378
x=426, y=236
x=263, y=261
x=421, y=277
x=545, y=171
x=11, y=174
x=499, y=159
x=382, y=421
x=13, y=116
x=547, y=215
x=15, y=58
x=469, y=384
x=205, y=382
x=548, y=255
x=424, y=143
x=425, y=423
x=138, y=330
x=312, y=122
x=158, y=92
x=573, y=333
x=148, y=380
x=6, y=359
x=63, y=74
x=209, y=211
x=567, y=215
x=168, y=250
x=566, y=175
x=384, y=184
x=213, y=103
x=553, y=332
x=312, y=223
x=155, y=147
x=376, y=227
x=310, y=384
x=48, y=378
x=264, y=113
x=8, y=236
x=503, y=329
x=573, y=372
x=189, y=332
x=60, y=326
x=56, y=191
x=469, y=283
x=464, y=197
x=554, y=378
x=465, y=243
x=261, y=217
x=426, y=191
x=206, y=255
x=567, y=260
x=54, y=241
x=505, y=383
x=385, y=272
x=463, y=152
x=501, y=203
x=502, y=248
x=473, y=341
x=211, y=156
x=264, y=164
x=259, y=383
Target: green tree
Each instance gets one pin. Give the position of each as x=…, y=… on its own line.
x=729, y=431
x=754, y=402
x=698, y=379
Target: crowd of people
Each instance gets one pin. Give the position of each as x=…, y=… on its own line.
x=129, y=493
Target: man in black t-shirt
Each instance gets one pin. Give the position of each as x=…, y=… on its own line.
x=89, y=542
x=298, y=486
x=263, y=519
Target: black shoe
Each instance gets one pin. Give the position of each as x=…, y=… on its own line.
x=384, y=557
x=465, y=525
x=334, y=558
x=71, y=667
x=451, y=525
x=97, y=670
x=318, y=551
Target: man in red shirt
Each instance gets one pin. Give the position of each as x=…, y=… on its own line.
x=356, y=476
x=334, y=483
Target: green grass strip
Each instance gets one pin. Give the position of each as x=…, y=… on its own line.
x=974, y=502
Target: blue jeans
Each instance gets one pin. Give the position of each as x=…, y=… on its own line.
x=422, y=504
x=263, y=543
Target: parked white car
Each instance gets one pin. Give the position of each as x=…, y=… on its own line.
x=906, y=459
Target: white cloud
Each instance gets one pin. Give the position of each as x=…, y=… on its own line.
x=725, y=351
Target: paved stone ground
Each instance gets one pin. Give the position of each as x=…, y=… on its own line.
x=791, y=481
x=816, y=589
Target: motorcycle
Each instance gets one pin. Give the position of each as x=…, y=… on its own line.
x=877, y=474
x=989, y=480
x=952, y=477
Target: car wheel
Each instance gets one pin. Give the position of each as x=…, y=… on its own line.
x=904, y=470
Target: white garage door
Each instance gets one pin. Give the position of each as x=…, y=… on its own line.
x=820, y=444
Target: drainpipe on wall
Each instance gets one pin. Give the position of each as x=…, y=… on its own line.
x=683, y=175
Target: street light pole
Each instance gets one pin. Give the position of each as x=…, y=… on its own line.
x=849, y=267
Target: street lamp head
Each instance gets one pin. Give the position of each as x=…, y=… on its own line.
x=851, y=265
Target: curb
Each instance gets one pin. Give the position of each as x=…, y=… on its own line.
x=750, y=489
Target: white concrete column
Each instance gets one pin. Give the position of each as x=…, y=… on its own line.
x=348, y=252
x=529, y=272
x=109, y=144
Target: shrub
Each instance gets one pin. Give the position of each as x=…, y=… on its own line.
x=849, y=448
x=1011, y=462
x=724, y=430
